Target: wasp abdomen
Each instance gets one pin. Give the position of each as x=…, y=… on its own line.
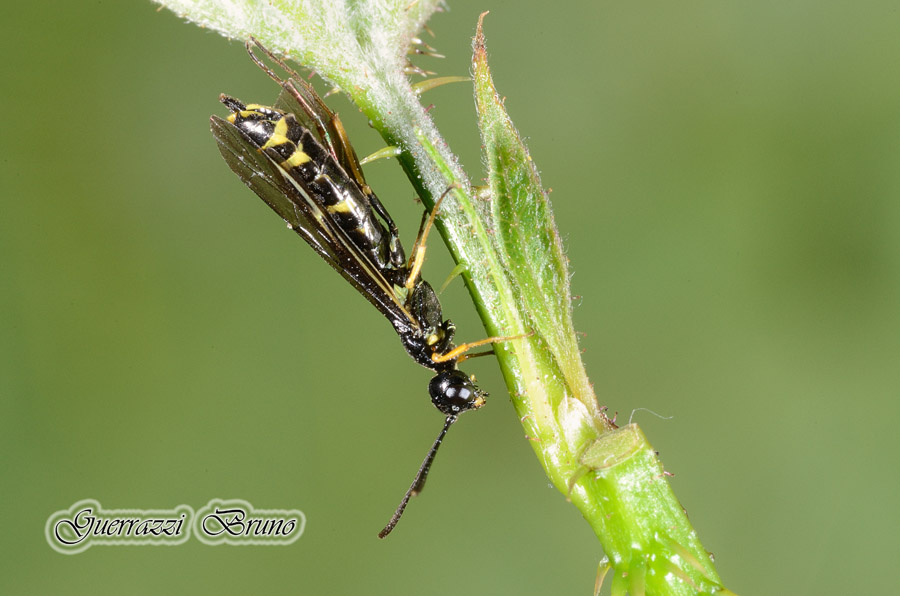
x=302, y=157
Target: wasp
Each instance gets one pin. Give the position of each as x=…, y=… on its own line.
x=297, y=158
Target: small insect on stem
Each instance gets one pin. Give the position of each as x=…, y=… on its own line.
x=296, y=157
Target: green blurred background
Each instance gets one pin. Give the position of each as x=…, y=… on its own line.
x=725, y=178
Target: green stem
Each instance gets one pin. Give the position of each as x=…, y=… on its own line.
x=612, y=475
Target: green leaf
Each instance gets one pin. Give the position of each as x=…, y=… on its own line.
x=612, y=475
x=526, y=236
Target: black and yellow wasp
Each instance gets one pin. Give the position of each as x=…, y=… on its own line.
x=295, y=155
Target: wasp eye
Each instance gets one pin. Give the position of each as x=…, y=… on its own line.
x=453, y=392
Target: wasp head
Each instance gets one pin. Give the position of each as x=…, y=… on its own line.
x=453, y=392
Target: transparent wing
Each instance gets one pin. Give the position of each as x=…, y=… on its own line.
x=298, y=97
x=304, y=214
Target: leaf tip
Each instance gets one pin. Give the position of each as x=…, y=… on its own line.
x=479, y=46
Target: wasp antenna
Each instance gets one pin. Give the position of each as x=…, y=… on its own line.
x=419, y=481
x=417, y=256
x=429, y=84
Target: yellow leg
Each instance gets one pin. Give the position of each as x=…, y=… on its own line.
x=465, y=357
x=417, y=259
x=458, y=352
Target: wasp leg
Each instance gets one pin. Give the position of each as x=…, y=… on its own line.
x=465, y=357
x=380, y=210
x=353, y=162
x=305, y=98
x=255, y=42
x=417, y=256
x=458, y=353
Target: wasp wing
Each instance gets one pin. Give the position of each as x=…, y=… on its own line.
x=298, y=97
x=298, y=207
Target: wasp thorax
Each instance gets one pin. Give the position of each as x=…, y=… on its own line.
x=453, y=392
